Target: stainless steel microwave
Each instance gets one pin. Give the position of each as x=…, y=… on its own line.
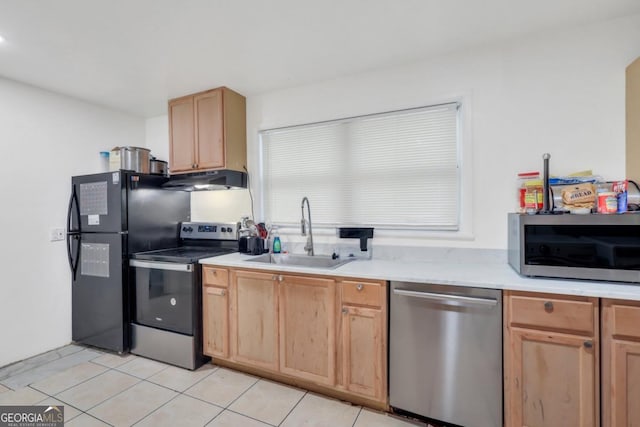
x=592, y=247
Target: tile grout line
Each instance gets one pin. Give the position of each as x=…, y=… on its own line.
x=357, y=416
x=178, y=391
x=63, y=390
x=242, y=394
x=96, y=418
x=249, y=416
x=121, y=391
x=35, y=368
x=294, y=407
x=159, y=407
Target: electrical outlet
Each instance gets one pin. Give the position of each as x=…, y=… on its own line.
x=56, y=234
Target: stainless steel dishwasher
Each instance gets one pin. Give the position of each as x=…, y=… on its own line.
x=445, y=353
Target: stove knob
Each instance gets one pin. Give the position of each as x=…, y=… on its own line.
x=184, y=228
x=224, y=230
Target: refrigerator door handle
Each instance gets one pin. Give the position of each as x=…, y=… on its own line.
x=72, y=199
x=73, y=263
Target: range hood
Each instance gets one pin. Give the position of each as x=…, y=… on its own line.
x=208, y=180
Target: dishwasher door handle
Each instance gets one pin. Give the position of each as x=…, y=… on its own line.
x=447, y=297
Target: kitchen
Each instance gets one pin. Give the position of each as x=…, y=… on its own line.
x=556, y=88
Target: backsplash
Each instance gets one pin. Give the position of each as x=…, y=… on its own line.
x=220, y=206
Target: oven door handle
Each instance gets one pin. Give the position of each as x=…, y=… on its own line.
x=447, y=297
x=157, y=265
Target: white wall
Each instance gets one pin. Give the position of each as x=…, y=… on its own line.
x=560, y=92
x=45, y=139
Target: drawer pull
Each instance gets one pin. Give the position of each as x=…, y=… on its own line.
x=548, y=306
x=345, y=310
x=359, y=286
x=588, y=344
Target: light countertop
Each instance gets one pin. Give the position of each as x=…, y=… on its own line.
x=460, y=267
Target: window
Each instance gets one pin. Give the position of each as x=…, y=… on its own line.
x=392, y=170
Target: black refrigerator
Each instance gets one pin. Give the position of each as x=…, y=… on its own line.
x=112, y=215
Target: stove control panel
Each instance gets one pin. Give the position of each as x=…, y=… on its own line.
x=209, y=230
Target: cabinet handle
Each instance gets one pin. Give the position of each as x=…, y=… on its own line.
x=588, y=344
x=193, y=166
x=359, y=286
x=345, y=310
x=280, y=278
x=223, y=293
x=548, y=306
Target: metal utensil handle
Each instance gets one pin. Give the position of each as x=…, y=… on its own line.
x=446, y=297
x=173, y=266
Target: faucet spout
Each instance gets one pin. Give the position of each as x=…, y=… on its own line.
x=309, y=245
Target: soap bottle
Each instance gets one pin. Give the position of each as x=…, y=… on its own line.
x=277, y=245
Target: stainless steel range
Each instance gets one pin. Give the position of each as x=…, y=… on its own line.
x=167, y=301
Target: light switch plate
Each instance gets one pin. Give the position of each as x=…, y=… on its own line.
x=56, y=234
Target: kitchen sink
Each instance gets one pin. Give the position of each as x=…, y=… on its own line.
x=316, y=261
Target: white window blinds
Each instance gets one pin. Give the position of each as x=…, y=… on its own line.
x=391, y=170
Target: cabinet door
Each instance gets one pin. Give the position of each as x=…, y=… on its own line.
x=307, y=328
x=182, y=155
x=254, y=319
x=552, y=380
x=209, y=130
x=216, y=321
x=620, y=363
x=362, y=350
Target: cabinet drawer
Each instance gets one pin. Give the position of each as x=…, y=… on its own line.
x=215, y=276
x=626, y=321
x=552, y=312
x=362, y=293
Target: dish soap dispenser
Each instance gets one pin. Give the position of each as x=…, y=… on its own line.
x=277, y=245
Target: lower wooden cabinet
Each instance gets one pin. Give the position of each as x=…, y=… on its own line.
x=215, y=311
x=363, y=351
x=551, y=360
x=307, y=328
x=324, y=333
x=620, y=363
x=253, y=314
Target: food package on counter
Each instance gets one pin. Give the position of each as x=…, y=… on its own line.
x=620, y=188
x=579, y=196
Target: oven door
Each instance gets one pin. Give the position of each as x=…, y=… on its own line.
x=165, y=295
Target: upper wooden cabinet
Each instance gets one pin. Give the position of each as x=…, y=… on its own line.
x=551, y=360
x=207, y=131
x=633, y=121
x=620, y=363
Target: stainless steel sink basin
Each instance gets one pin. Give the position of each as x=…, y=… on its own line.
x=316, y=261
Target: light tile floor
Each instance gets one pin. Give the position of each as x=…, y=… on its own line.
x=104, y=389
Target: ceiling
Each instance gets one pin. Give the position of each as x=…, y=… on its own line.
x=133, y=55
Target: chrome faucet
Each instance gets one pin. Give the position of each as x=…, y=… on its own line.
x=309, y=245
